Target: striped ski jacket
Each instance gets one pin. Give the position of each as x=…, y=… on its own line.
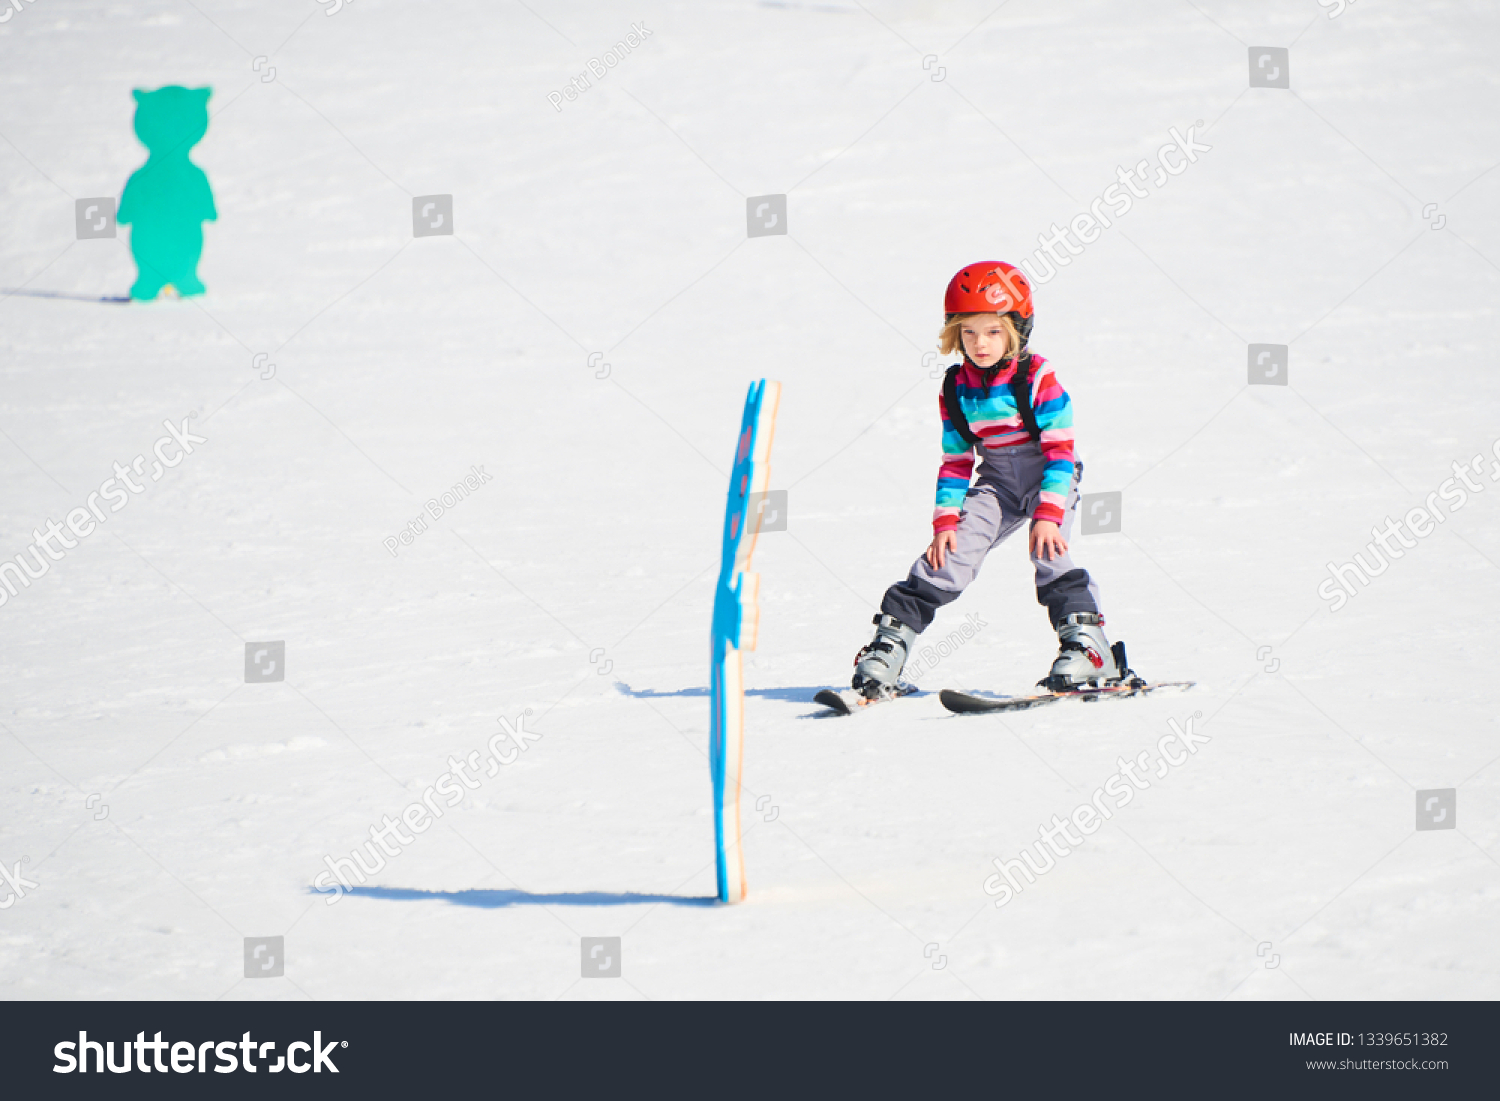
x=993, y=417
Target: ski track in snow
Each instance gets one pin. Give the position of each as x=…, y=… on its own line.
x=577, y=582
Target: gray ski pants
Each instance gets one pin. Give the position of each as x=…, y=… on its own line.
x=998, y=503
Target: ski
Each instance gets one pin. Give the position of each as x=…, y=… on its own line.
x=11, y=292
x=846, y=701
x=965, y=704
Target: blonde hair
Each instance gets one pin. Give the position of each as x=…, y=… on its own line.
x=951, y=337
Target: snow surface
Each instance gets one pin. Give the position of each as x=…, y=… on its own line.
x=617, y=226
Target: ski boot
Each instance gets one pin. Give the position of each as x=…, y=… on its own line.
x=877, y=668
x=1085, y=657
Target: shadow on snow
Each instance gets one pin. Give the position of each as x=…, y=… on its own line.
x=794, y=695
x=493, y=900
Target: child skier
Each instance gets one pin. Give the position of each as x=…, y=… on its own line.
x=1006, y=404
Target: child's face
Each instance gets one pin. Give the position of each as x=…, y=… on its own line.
x=985, y=339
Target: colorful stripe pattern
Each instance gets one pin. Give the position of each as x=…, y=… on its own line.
x=735, y=624
x=993, y=417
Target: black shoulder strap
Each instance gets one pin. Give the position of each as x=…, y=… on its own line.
x=1020, y=390
x=954, y=410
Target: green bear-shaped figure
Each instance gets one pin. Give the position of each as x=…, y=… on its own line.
x=167, y=199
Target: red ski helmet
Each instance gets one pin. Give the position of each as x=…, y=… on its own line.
x=992, y=286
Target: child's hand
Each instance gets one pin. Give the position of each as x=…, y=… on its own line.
x=1047, y=541
x=942, y=542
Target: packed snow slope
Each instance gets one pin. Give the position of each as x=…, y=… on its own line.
x=580, y=346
